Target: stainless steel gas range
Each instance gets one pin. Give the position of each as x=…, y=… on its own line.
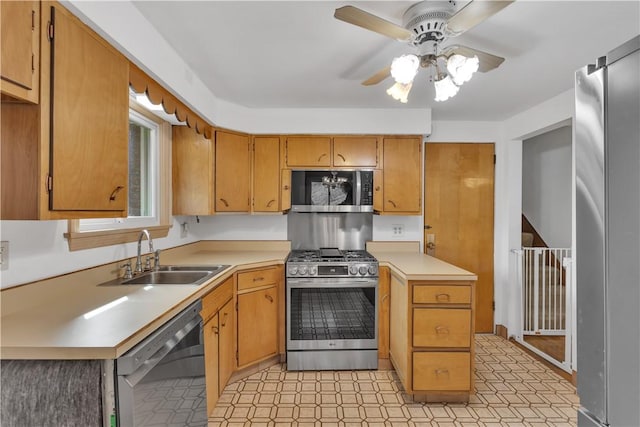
x=332, y=314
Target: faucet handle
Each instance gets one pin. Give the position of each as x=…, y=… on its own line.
x=128, y=274
x=156, y=259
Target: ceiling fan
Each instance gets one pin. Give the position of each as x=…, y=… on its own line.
x=427, y=25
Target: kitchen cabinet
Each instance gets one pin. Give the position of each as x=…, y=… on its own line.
x=20, y=50
x=331, y=151
x=192, y=172
x=216, y=308
x=401, y=177
x=67, y=157
x=308, y=151
x=383, y=312
x=355, y=151
x=258, y=314
x=266, y=174
x=431, y=338
x=232, y=172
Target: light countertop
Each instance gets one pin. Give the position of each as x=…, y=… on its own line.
x=46, y=319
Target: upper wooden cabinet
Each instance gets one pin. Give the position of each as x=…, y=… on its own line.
x=331, y=151
x=308, y=151
x=20, y=50
x=357, y=151
x=402, y=184
x=67, y=157
x=233, y=172
x=266, y=174
x=193, y=177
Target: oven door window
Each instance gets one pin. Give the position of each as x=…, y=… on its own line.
x=318, y=314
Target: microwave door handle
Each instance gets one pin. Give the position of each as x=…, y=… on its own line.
x=358, y=189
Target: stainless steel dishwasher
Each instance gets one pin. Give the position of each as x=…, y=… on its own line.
x=160, y=381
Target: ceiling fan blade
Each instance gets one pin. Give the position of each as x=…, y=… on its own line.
x=359, y=17
x=377, y=77
x=488, y=61
x=474, y=13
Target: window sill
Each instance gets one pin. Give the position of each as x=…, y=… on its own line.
x=95, y=239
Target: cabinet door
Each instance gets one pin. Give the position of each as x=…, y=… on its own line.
x=441, y=327
x=20, y=42
x=266, y=174
x=211, y=333
x=402, y=177
x=383, y=313
x=89, y=119
x=440, y=371
x=192, y=165
x=309, y=151
x=355, y=151
x=257, y=325
x=226, y=348
x=233, y=172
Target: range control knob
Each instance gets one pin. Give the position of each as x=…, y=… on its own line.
x=372, y=270
x=293, y=270
x=363, y=270
x=353, y=269
x=303, y=270
x=313, y=270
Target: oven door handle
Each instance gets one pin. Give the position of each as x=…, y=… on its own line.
x=136, y=376
x=332, y=283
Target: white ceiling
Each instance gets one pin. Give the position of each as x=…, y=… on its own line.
x=294, y=54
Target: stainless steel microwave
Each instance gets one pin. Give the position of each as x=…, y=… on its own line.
x=332, y=191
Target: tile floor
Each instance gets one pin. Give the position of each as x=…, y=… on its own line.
x=512, y=389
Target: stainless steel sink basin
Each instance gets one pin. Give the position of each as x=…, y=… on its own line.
x=177, y=275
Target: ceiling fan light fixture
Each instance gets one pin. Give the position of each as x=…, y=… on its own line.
x=461, y=68
x=400, y=91
x=445, y=88
x=404, y=68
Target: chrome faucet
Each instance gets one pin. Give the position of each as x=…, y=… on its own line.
x=139, y=268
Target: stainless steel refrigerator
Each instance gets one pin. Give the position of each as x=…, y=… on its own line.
x=607, y=159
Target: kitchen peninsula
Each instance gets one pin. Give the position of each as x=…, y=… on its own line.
x=60, y=332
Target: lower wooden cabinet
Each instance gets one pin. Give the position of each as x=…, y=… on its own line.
x=211, y=336
x=226, y=353
x=431, y=338
x=258, y=307
x=383, y=312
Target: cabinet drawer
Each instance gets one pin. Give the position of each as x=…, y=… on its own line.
x=256, y=278
x=441, y=371
x=214, y=300
x=441, y=327
x=429, y=294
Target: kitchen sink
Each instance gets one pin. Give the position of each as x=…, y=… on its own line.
x=176, y=275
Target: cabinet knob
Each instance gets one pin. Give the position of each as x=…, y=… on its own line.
x=258, y=279
x=442, y=330
x=215, y=330
x=377, y=188
x=286, y=187
x=442, y=371
x=115, y=192
x=224, y=320
x=441, y=297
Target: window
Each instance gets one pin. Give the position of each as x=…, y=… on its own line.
x=149, y=188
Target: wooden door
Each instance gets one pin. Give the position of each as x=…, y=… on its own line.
x=402, y=175
x=90, y=119
x=361, y=151
x=266, y=174
x=233, y=172
x=192, y=164
x=459, y=209
x=257, y=325
x=226, y=348
x=310, y=151
x=383, y=312
x=20, y=42
x=211, y=333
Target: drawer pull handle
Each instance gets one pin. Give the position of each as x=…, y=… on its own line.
x=342, y=157
x=215, y=330
x=269, y=297
x=392, y=203
x=286, y=187
x=442, y=330
x=384, y=297
x=272, y=201
x=441, y=371
x=258, y=279
x=112, y=197
x=225, y=203
x=224, y=320
x=443, y=297
x=321, y=156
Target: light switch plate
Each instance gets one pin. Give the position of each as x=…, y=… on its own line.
x=4, y=255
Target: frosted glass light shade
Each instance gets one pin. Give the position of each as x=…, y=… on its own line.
x=404, y=68
x=400, y=91
x=461, y=68
x=445, y=89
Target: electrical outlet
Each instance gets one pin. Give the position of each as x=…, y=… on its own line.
x=397, y=230
x=4, y=255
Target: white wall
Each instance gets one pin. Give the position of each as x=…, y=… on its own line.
x=547, y=186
